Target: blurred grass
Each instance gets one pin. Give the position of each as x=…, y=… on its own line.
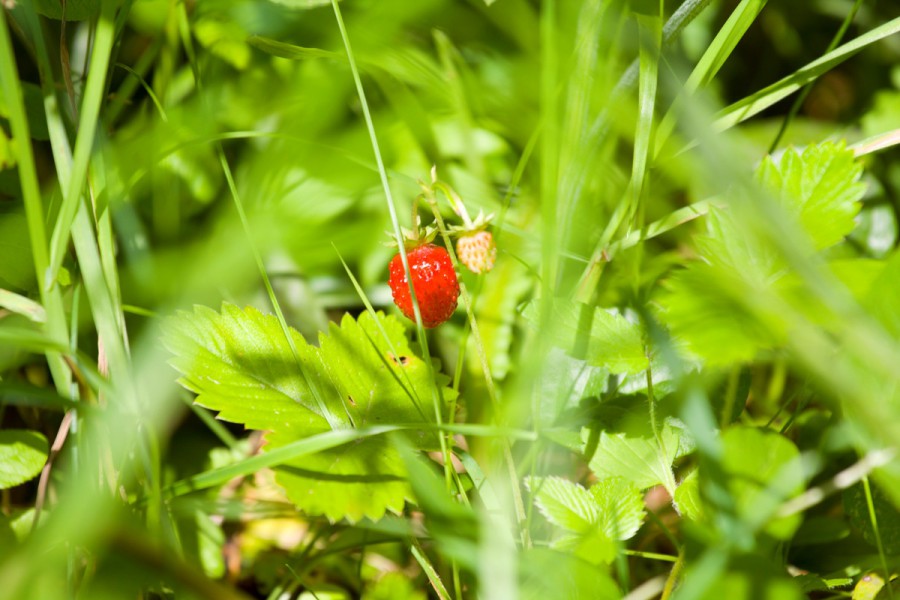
x=256, y=101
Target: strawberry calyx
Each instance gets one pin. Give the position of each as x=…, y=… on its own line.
x=413, y=238
x=469, y=226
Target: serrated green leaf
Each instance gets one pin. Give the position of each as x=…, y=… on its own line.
x=565, y=504
x=705, y=305
x=22, y=456
x=765, y=471
x=644, y=461
x=239, y=363
x=820, y=187
x=614, y=342
x=621, y=507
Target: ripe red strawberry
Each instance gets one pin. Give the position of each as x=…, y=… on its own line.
x=434, y=280
x=477, y=251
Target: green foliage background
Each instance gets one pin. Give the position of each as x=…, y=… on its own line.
x=679, y=380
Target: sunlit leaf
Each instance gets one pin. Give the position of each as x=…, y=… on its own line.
x=239, y=363
x=820, y=187
x=565, y=504
x=621, y=507
x=644, y=461
x=22, y=456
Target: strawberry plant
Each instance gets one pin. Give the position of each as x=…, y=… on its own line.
x=639, y=338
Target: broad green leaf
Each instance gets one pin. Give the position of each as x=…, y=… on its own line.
x=886, y=515
x=765, y=471
x=240, y=364
x=22, y=456
x=550, y=574
x=614, y=342
x=706, y=305
x=621, y=507
x=644, y=461
x=820, y=187
x=565, y=504
x=569, y=506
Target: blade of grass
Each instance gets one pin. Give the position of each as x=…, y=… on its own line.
x=876, y=143
x=407, y=385
x=743, y=109
x=336, y=422
x=84, y=143
x=23, y=306
x=870, y=505
x=650, y=29
x=713, y=58
x=430, y=571
x=798, y=101
x=34, y=211
x=436, y=393
x=272, y=458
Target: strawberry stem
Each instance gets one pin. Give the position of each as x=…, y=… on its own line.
x=415, y=218
x=455, y=202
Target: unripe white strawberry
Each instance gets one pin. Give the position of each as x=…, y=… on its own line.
x=477, y=251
